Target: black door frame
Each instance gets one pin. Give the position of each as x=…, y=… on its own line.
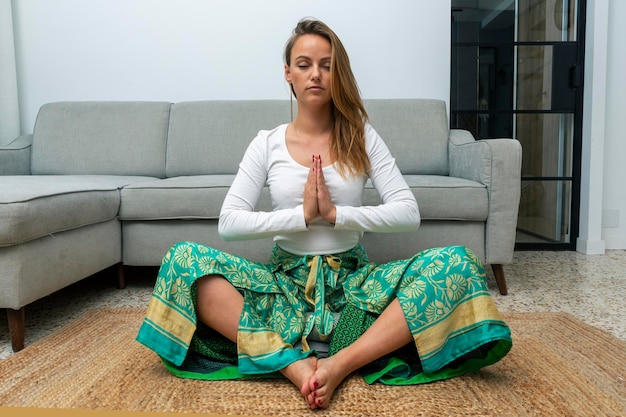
x=577, y=77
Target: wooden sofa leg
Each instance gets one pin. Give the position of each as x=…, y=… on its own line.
x=16, y=328
x=498, y=271
x=121, y=277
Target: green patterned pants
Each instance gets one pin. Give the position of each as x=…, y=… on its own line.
x=291, y=299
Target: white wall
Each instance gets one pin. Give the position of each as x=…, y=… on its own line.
x=614, y=195
x=177, y=50
x=594, y=123
x=9, y=109
x=603, y=195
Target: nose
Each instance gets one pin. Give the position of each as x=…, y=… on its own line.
x=315, y=74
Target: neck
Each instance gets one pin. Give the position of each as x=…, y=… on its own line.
x=313, y=121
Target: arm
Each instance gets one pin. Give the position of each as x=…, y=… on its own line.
x=496, y=163
x=15, y=156
x=238, y=220
x=398, y=211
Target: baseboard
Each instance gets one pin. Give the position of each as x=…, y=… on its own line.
x=615, y=242
x=590, y=247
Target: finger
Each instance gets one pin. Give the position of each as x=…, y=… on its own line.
x=311, y=181
x=312, y=177
x=319, y=171
x=321, y=180
x=325, y=204
x=310, y=194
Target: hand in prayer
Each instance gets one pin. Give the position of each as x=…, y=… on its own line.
x=317, y=201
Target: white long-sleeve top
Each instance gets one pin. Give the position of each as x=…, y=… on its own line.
x=267, y=161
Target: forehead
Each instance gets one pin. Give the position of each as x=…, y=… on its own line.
x=313, y=46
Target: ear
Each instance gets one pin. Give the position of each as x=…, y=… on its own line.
x=287, y=74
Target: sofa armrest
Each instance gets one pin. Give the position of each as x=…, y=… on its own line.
x=15, y=156
x=496, y=163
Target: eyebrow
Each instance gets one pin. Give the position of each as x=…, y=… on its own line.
x=326, y=58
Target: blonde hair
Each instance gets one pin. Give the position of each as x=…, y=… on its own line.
x=347, y=141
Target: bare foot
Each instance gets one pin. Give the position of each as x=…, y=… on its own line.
x=328, y=375
x=300, y=374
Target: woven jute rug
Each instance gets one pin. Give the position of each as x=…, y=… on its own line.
x=558, y=366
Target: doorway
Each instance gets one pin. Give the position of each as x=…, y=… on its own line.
x=517, y=70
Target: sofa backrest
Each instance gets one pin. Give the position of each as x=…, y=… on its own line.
x=416, y=132
x=110, y=138
x=210, y=137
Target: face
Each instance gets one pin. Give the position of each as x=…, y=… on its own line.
x=309, y=71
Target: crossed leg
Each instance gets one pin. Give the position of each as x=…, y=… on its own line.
x=219, y=306
x=389, y=332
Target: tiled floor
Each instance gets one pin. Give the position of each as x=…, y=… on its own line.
x=593, y=288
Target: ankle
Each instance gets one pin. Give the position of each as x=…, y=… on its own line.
x=343, y=363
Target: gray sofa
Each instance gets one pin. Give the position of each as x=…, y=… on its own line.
x=100, y=184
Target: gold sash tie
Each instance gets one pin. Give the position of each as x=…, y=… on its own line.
x=323, y=269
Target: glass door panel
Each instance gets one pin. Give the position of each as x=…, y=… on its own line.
x=544, y=215
x=534, y=77
x=546, y=176
x=547, y=144
x=547, y=20
x=516, y=72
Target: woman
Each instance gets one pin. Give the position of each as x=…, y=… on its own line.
x=214, y=315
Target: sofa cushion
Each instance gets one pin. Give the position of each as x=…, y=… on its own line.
x=442, y=197
x=210, y=137
x=186, y=197
x=416, y=132
x=201, y=197
x=117, y=138
x=35, y=206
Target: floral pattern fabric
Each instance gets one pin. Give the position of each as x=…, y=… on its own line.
x=442, y=291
